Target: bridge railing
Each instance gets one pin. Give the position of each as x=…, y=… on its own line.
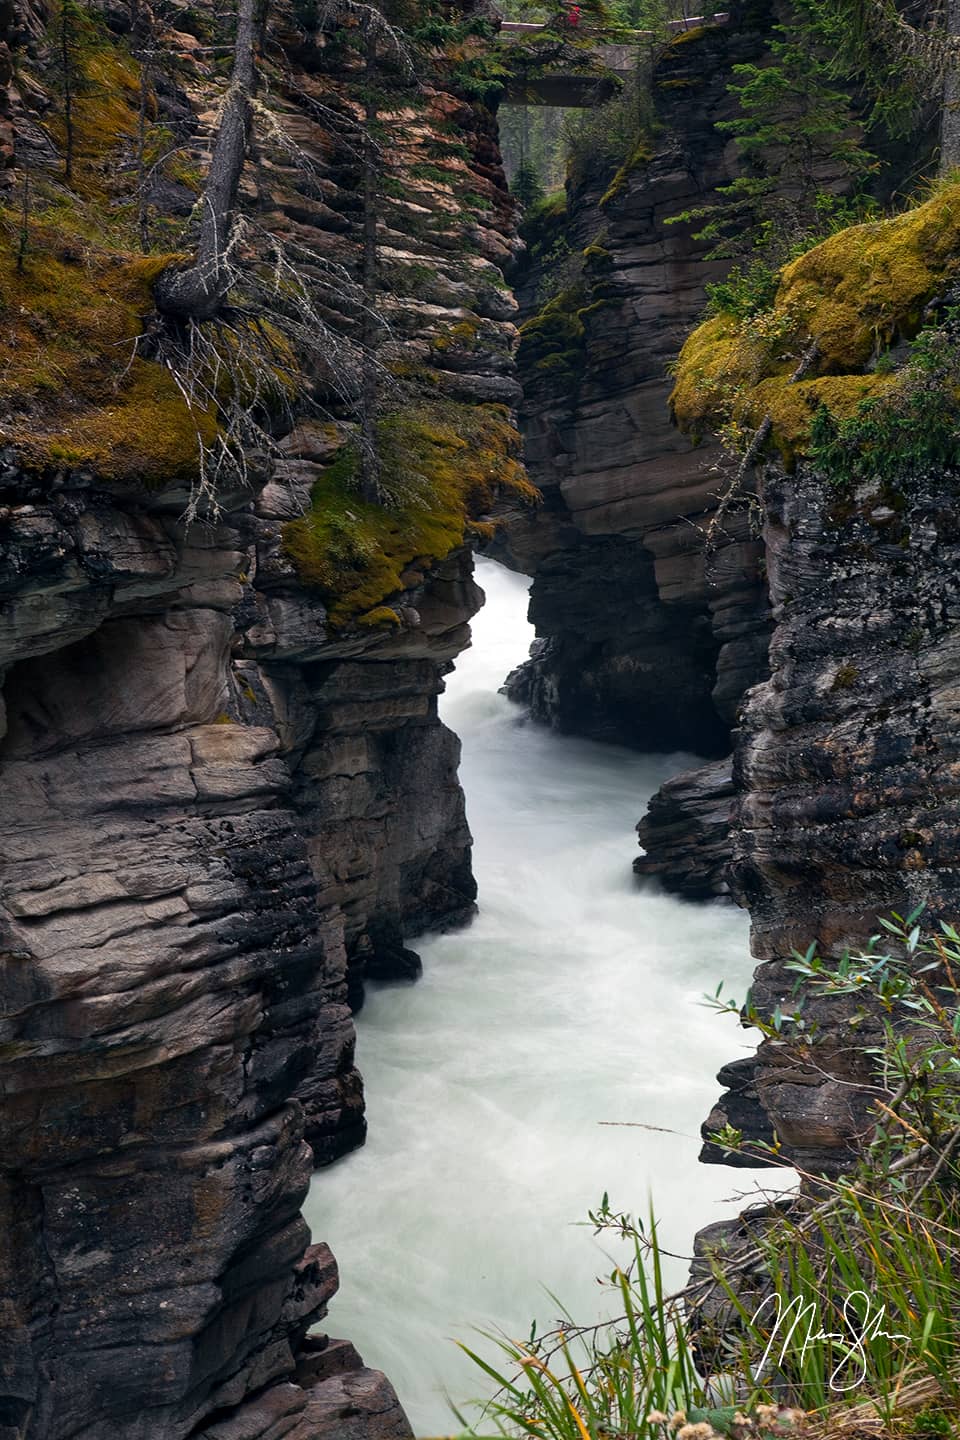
x=687, y=22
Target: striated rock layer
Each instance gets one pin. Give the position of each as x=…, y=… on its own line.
x=169, y=979
x=650, y=635
x=220, y=811
x=647, y=641
x=847, y=769
x=685, y=833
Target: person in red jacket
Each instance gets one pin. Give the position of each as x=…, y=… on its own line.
x=573, y=16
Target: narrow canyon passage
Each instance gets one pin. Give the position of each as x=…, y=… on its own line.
x=571, y=1000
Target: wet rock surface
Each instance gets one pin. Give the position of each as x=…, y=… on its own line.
x=845, y=770
x=686, y=833
x=220, y=813
x=169, y=980
x=651, y=635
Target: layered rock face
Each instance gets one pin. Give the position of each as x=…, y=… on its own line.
x=685, y=834
x=169, y=980
x=846, y=769
x=649, y=635
x=221, y=810
x=193, y=833
x=375, y=782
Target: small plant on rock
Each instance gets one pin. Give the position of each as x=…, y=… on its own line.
x=836, y=1306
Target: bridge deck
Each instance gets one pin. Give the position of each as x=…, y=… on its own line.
x=688, y=22
x=614, y=60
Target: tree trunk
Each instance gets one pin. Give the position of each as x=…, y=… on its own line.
x=950, y=119
x=142, y=28
x=66, y=59
x=199, y=291
x=369, y=460
x=24, y=217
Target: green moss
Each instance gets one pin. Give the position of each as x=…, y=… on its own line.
x=105, y=117
x=846, y=676
x=908, y=430
x=381, y=615
x=553, y=341
x=561, y=361
x=556, y=325
x=687, y=37
x=461, y=336
x=544, y=226
x=147, y=434
x=74, y=393
x=441, y=465
x=556, y=334
x=551, y=207
x=792, y=407
x=855, y=294
x=598, y=257
x=641, y=154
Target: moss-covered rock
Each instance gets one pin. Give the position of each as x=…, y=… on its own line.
x=441, y=468
x=76, y=388
x=641, y=154
x=855, y=294
x=73, y=391
x=553, y=338
x=544, y=224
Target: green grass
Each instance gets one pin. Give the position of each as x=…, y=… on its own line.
x=870, y=1260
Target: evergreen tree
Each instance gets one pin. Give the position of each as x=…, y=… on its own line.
x=70, y=35
x=801, y=146
x=526, y=184
x=905, y=56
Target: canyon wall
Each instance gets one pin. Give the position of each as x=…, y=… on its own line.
x=649, y=636
x=227, y=794
x=170, y=980
x=808, y=628
x=847, y=768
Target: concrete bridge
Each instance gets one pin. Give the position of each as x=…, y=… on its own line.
x=596, y=73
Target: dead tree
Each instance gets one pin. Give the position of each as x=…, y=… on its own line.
x=198, y=292
x=369, y=461
x=70, y=36
x=950, y=122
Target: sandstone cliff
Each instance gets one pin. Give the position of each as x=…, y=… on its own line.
x=227, y=795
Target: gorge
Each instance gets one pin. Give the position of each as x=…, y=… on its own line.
x=481, y=1165
x=230, y=800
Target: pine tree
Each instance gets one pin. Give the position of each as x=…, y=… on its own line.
x=526, y=184
x=905, y=65
x=70, y=35
x=801, y=147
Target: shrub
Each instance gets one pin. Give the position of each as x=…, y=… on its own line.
x=913, y=426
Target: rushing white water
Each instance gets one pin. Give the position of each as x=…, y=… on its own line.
x=572, y=1000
